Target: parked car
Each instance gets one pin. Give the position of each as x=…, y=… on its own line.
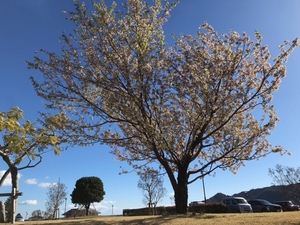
x=237, y=205
x=194, y=203
x=287, y=206
x=261, y=205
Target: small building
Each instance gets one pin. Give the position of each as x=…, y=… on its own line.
x=79, y=212
x=19, y=218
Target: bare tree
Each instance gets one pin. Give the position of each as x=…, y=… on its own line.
x=289, y=180
x=37, y=215
x=188, y=107
x=55, y=197
x=151, y=183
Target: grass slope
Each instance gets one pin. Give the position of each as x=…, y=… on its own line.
x=284, y=218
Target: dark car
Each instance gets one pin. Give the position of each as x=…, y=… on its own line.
x=287, y=206
x=261, y=205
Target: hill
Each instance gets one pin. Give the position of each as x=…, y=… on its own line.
x=272, y=193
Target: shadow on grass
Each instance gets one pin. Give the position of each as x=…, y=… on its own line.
x=154, y=220
x=138, y=221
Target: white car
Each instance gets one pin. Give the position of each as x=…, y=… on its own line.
x=237, y=205
x=196, y=203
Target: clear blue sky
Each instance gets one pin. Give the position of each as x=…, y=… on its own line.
x=27, y=26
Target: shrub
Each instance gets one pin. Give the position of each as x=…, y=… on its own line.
x=209, y=208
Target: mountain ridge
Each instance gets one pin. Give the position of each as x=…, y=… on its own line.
x=271, y=194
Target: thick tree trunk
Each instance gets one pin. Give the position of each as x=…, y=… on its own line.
x=181, y=192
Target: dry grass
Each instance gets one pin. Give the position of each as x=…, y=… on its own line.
x=285, y=218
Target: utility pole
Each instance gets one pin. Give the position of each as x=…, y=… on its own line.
x=203, y=189
x=65, y=205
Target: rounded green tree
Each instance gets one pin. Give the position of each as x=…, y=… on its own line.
x=88, y=190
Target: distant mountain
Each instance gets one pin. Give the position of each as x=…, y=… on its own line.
x=272, y=193
x=217, y=198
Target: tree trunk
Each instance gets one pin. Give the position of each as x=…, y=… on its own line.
x=2, y=212
x=14, y=181
x=54, y=213
x=87, y=207
x=149, y=208
x=181, y=192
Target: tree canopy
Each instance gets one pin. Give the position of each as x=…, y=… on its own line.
x=22, y=145
x=204, y=103
x=88, y=190
x=22, y=139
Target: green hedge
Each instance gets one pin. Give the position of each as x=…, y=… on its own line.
x=209, y=208
x=161, y=210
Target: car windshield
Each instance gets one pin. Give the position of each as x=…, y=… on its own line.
x=240, y=201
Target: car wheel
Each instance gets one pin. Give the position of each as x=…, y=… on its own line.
x=265, y=210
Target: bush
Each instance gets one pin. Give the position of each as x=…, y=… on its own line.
x=209, y=208
x=161, y=210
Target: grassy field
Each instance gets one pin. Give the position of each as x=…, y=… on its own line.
x=285, y=218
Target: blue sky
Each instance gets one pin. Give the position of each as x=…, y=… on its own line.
x=27, y=26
